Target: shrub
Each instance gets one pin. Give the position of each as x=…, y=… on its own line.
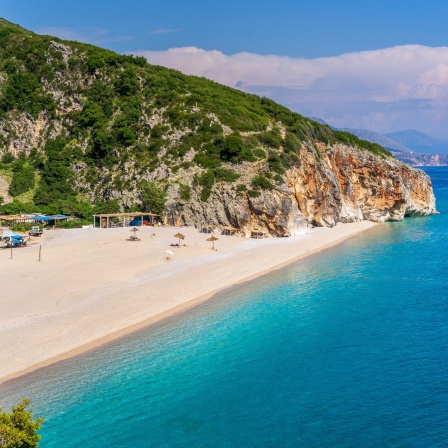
x=207, y=160
x=15, y=207
x=206, y=180
x=91, y=114
x=234, y=150
x=22, y=226
x=22, y=178
x=261, y=182
x=287, y=159
x=81, y=209
x=253, y=193
x=127, y=83
x=184, y=192
x=271, y=139
x=7, y=158
x=279, y=179
x=111, y=206
x=125, y=136
x=94, y=61
x=225, y=175
x=292, y=143
x=259, y=153
x=24, y=92
x=275, y=163
x=158, y=131
x=246, y=156
x=73, y=223
x=153, y=198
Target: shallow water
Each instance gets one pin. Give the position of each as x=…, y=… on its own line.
x=347, y=348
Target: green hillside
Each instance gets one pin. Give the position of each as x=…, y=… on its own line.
x=84, y=127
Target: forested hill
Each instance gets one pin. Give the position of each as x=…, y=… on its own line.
x=84, y=127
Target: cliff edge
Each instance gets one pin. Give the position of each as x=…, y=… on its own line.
x=327, y=185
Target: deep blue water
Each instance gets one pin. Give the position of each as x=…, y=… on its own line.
x=347, y=348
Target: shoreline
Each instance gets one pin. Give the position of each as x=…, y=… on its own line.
x=83, y=308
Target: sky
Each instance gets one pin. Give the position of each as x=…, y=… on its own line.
x=375, y=65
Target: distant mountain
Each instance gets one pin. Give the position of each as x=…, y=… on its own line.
x=382, y=140
x=419, y=142
x=320, y=121
x=423, y=159
x=370, y=136
x=413, y=147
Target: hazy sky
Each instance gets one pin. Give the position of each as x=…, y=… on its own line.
x=377, y=65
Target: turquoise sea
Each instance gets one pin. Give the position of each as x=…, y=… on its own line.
x=348, y=348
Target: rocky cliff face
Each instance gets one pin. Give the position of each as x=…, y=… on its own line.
x=4, y=185
x=328, y=185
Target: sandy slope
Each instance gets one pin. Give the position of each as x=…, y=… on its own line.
x=93, y=285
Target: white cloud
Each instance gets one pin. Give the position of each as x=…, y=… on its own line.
x=380, y=78
x=164, y=31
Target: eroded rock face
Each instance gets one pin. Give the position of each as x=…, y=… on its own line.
x=349, y=185
x=4, y=186
x=335, y=184
x=275, y=211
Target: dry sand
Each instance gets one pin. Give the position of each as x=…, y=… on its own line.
x=94, y=285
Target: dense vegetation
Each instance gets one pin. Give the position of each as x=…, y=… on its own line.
x=114, y=124
x=18, y=429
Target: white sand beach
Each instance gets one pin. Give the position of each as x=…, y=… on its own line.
x=94, y=285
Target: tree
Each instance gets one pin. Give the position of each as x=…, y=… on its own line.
x=233, y=149
x=15, y=207
x=127, y=84
x=56, y=174
x=153, y=198
x=18, y=429
x=110, y=206
x=22, y=178
x=207, y=180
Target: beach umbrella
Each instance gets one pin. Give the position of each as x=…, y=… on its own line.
x=213, y=239
x=169, y=253
x=135, y=230
x=180, y=236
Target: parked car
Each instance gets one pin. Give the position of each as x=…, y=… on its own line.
x=12, y=239
x=35, y=231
